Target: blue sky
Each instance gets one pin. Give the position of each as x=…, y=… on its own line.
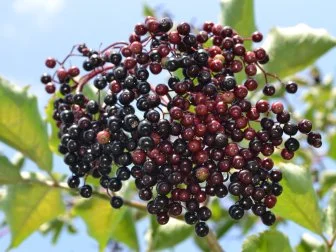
x=31, y=30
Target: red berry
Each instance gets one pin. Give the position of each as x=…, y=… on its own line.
x=257, y=36
x=50, y=62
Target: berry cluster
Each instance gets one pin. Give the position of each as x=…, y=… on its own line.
x=193, y=137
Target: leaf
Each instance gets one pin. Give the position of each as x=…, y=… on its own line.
x=292, y=49
x=21, y=125
x=53, y=138
x=105, y=223
x=309, y=243
x=332, y=147
x=28, y=206
x=330, y=214
x=169, y=235
x=298, y=201
x=54, y=228
x=327, y=181
x=270, y=240
x=9, y=173
x=18, y=160
x=240, y=16
x=225, y=226
x=148, y=11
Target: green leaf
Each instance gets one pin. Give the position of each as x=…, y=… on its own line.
x=309, y=243
x=292, y=49
x=169, y=235
x=330, y=214
x=332, y=147
x=240, y=16
x=270, y=240
x=105, y=223
x=298, y=201
x=327, y=181
x=53, y=138
x=28, y=206
x=224, y=226
x=21, y=125
x=9, y=173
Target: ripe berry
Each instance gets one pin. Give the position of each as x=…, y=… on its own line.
x=305, y=126
x=292, y=144
x=257, y=36
x=201, y=229
x=73, y=182
x=291, y=87
x=268, y=218
x=85, y=191
x=116, y=202
x=269, y=90
x=236, y=212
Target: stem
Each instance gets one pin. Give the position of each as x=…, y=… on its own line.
x=84, y=80
x=332, y=241
x=114, y=44
x=52, y=177
x=212, y=241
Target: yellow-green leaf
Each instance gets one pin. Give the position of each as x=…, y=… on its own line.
x=240, y=16
x=28, y=206
x=169, y=235
x=327, y=181
x=330, y=214
x=21, y=125
x=105, y=223
x=270, y=240
x=9, y=173
x=309, y=243
x=292, y=49
x=298, y=201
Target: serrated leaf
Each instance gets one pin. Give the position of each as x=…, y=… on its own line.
x=309, y=243
x=21, y=125
x=28, y=206
x=270, y=240
x=330, y=214
x=169, y=235
x=240, y=16
x=105, y=223
x=292, y=49
x=9, y=173
x=298, y=202
x=327, y=181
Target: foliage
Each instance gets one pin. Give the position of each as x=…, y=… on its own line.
x=32, y=199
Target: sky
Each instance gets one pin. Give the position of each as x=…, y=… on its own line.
x=31, y=30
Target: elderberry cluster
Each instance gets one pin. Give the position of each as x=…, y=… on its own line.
x=185, y=139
